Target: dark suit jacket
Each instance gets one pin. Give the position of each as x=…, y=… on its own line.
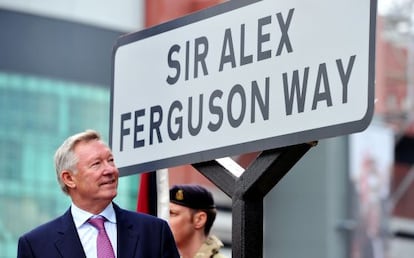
x=139, y=235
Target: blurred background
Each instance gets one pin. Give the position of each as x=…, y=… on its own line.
x=350, y=196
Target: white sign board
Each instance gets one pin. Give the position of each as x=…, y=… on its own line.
x=240, y=77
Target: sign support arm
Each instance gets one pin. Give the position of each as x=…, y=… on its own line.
x=248, y=191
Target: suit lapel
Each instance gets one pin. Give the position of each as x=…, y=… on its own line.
x=127, y=236
x=68, y=244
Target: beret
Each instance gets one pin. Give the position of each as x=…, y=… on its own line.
x=192, y=196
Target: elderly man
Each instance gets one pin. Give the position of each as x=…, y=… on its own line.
x=94, y=226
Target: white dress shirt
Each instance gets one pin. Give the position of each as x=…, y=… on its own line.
x=88, y=233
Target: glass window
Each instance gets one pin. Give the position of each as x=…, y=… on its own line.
x=36, y=115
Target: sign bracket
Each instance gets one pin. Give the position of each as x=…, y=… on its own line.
x=248, y=191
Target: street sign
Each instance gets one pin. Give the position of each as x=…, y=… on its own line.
x=241, y=77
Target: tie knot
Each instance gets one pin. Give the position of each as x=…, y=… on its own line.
x=97, y=222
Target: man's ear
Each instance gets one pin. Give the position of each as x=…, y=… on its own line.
x=67, y=178
x=200, y=219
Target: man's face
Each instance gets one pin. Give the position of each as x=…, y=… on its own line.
x=181, y=223
x=97, y=176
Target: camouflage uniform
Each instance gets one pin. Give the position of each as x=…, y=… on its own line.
x=210, y=249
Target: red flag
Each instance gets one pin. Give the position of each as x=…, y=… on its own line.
x=147, y=195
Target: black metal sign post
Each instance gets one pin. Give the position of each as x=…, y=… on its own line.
x=248, y=191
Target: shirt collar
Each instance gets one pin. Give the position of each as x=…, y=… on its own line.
x=81, y=216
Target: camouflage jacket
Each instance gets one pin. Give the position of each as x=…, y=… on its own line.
x=210, y=249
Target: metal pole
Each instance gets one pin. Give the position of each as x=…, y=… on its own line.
x=248, y=191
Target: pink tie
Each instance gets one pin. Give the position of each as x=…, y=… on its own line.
x=103, y=244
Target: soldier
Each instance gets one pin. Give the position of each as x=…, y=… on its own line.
x=192, y=214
